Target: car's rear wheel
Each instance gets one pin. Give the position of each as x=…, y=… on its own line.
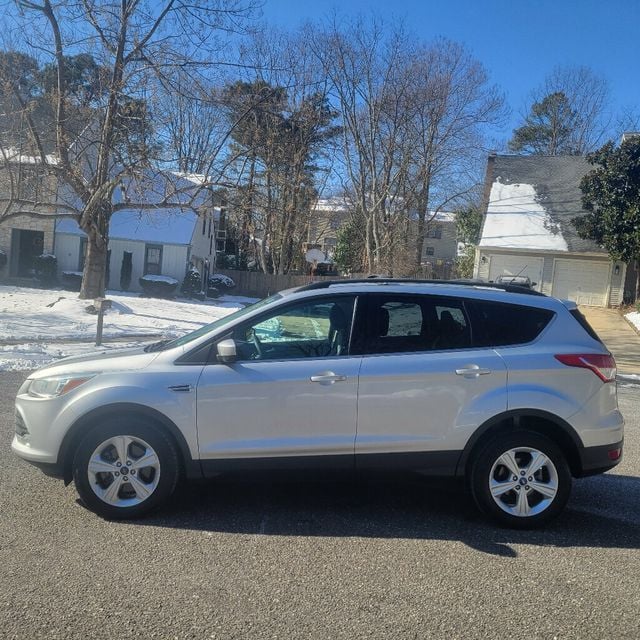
x=125, y=468
x=521, y=479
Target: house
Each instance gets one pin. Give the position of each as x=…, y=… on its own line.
x=330, y=214
x=24, y=237
x=440, y=237
x=527, y=230
x=326, y=218
x=163, y=241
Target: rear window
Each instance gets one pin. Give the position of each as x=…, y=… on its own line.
x=584, y=323
x=498, y=324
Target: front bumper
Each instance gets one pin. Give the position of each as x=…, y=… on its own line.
x=52, y=469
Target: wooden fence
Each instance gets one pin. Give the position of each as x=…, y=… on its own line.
x=260, y=285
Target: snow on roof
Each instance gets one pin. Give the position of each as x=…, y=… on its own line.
x=441, y=216
x=196, y=178
x=11, y=154
x=162, y=226
x=515, y=219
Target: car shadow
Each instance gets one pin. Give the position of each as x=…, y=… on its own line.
x=601, y=512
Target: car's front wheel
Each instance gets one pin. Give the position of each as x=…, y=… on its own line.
x=125, y=468
x=521, y=479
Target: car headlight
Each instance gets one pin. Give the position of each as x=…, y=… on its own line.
x=56, y=386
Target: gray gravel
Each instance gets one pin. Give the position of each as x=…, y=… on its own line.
x=302, y=560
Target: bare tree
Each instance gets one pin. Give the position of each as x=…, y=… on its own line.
x=414, y=118
x=364, y=66
x=138, y=46
x=453, y=106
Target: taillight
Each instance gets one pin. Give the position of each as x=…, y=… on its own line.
x=604, y=366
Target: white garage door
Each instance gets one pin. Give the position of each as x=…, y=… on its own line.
x=582, y=281
x=528, y=266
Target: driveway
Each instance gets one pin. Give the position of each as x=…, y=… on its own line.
x=619, y=336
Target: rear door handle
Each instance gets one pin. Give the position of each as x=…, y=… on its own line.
x=472, y=371
x=328, y=377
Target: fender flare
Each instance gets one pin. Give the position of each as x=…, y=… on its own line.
x=566, y=436
x=191, y=467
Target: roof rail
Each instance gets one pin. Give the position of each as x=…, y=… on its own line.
x=511, y=288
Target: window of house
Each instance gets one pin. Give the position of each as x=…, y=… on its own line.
x=434, y=231
x=153, y=259
x=430, y=251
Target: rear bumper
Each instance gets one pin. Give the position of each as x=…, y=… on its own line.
x=594, y=460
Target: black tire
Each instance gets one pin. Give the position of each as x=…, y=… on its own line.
x=159, y=478
x=523, y=506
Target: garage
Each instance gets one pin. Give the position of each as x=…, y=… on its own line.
x=522, y=265
x=583, y=281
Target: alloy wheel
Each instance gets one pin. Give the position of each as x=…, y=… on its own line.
x=523, y=481
x=124, y=471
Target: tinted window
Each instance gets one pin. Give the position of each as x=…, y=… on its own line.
x=397, y=324
x=496, y=324
x=405, y=318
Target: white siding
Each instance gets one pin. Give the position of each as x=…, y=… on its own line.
x=174, y=261
x=547, y=275
x=67, y=251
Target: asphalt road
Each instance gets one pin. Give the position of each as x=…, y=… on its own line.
x=399, y=560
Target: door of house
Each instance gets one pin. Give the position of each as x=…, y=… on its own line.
x=26, y=245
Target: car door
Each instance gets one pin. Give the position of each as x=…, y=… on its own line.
x=290, y=399
x=423, y=387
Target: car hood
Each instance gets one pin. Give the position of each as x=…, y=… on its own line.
x=98, y=362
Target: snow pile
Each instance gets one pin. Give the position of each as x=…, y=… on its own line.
x=515, y=219
x=38, y=326
x=634, y=319
x=167, y=279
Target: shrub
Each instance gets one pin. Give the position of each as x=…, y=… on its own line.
x=72, y=280
x=221, y=282
x=212, y=292
x=46, y=269
x=192, y=283
x=158, y=286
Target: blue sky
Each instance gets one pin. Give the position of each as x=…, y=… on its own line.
x=518, y=41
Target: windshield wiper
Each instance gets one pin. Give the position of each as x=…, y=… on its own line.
x=157, y=346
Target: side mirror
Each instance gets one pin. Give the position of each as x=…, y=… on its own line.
x=227, y=351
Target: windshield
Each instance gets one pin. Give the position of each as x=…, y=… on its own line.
x=217, y=324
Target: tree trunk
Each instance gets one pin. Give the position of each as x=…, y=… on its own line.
x=95, y=264
x=94, y=268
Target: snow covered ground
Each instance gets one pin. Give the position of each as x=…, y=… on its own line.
x=634, y=319
x=38, y=326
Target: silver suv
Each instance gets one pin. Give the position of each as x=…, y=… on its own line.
x=503, y=386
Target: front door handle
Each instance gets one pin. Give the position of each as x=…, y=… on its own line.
x=328, y=377
x=472, y=371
